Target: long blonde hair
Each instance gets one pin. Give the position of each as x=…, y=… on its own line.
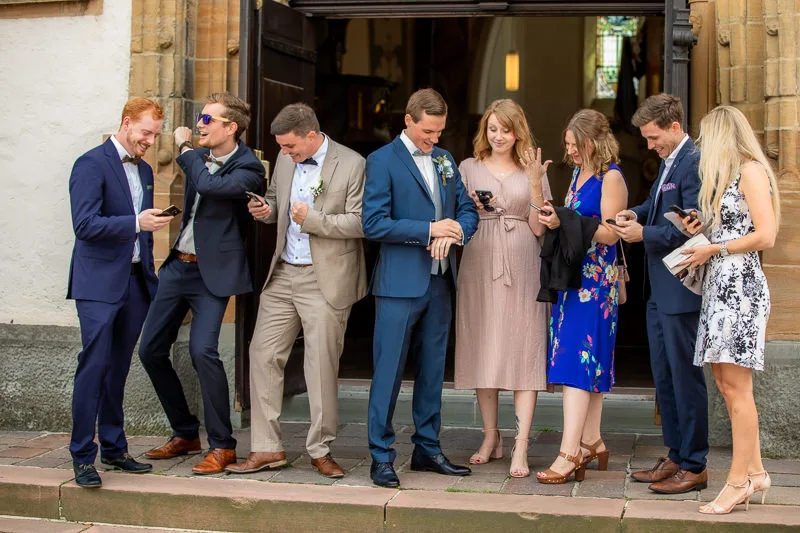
x=727, y=142
x=592, y=126
x=510, y=115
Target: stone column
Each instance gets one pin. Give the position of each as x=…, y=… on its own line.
x=703, y=62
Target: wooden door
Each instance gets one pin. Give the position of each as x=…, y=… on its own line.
x=278, y=65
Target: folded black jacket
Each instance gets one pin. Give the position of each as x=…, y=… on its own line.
x=562, y=253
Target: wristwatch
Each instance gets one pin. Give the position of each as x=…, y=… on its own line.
x=185, y=143
x=723, y=249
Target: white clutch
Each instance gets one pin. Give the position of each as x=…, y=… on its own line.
x=672, y=259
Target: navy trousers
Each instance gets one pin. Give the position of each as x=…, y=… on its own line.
x=108, y=334
x=680, y=386
x=397, y=320
x=180, y=289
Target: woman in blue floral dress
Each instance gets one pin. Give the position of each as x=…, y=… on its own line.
x=583, y=326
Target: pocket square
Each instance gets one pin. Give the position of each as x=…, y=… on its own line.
x=668, y=187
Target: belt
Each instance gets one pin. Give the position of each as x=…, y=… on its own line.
x=299, y=265
x=500, y=263
x=186, y=258
x=136, y=268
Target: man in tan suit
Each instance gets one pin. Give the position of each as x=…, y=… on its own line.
x=316, y=275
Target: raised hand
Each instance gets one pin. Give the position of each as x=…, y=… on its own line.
x=532, y=162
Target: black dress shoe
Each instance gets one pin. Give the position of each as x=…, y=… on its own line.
x=437, y=463
x=127, y=463
x=86, y=476
x=383, y=475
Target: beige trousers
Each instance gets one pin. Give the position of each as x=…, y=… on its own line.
x=292, y=300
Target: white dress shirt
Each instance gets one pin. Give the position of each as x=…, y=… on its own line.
x=668, y=164
x=137, y=194
x=186, y=239
x=306, y=177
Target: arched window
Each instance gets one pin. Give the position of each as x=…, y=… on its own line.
x=610, y=32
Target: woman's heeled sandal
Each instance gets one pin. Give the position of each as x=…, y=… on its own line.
x=551, y=477
x=523, y=472
x=602, y=457
x=496, y=453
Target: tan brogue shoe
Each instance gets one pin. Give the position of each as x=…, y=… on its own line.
x=682, y=481
x=175, y=447
x=665, y=468
x=327, y=467
x=215, y=462
x=257, y=461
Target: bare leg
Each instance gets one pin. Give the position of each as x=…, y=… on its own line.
x=487, y=403
x=591, y=430
x=576, y=409
x=524, y=407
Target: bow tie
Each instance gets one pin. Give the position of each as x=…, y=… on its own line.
x=129, y=159
x=419, y=152
x=309, y=161
x=211, y=159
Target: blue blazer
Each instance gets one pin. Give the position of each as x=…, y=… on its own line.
x=397, y=212
x=104, y=222
x=681, y=187
x=222, y=219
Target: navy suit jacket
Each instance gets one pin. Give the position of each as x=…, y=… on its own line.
x=104, y=222
x=397, y=212
x=222, y=219
x=681, y=187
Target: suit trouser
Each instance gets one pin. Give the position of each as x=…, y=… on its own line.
x=292, y=300
x=180, y=289
x=680, y=386
x=395, y=322
x=108, y=333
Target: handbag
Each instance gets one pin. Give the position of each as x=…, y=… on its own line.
x=622, y=277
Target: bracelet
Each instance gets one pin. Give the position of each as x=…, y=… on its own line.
x=185, y=143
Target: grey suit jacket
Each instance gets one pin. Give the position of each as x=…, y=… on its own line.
x=333, y=225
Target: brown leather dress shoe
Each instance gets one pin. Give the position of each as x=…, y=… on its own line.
x=215, y=462
x=665, y=468
x=175, y=447
x=327, y=467
x=682, y=481
x=258, y=461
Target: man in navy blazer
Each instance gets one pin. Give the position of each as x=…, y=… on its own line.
x=672, y=310
x=206, y=266
x=112, y=281
x=416, y=206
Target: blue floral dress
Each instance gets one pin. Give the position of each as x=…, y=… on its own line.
x=583, y=325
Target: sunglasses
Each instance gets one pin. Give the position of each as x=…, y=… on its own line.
x=206, y=119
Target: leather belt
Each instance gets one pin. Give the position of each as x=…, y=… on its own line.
x=186, y=258
x=300, y=265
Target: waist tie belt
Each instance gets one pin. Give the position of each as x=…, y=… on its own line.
x=506, y=224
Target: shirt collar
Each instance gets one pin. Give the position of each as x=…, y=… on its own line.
x=120, y=149
x=224, y=159
x=409, y=144
x=677, y=149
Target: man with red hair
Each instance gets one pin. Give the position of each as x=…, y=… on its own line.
x=112, y=281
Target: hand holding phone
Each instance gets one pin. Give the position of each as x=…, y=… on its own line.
x=681, y=212
x=255, y=197
x=543, y=211
x=611, y=221
x=170, y=211
x=485, y=197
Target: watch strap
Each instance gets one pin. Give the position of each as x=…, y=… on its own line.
x=185, y=143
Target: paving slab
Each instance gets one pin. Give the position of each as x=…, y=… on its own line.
x=221, y=504
x=684, y=517
x=29, y=491
x=49, y=440
x=27, y=525
x=424, y=511
x=23, y=452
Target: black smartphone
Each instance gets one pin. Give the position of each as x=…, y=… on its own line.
x=485, y=197
x=611, y=221
x=541, y=210
x=254, y=196
x=170, y=211
x=680, y=212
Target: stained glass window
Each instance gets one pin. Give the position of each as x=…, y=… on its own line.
x=610, y=32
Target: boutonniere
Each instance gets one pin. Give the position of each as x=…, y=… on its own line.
x=444, y=167
x=149, y=187
x=317, y=189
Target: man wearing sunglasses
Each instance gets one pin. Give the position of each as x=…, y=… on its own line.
x=206, y=266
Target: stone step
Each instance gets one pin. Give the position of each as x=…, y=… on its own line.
x=211, y=504
x=38, y=525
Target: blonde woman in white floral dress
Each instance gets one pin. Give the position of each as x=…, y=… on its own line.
x=741, y=209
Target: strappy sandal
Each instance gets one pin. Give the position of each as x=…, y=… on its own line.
x=715, y=508
x=551, y=477
x=602, y=457
x=761, y=486
x=496, y=453
x=522, y=472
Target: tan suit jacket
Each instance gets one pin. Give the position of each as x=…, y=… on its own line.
x=333, y=225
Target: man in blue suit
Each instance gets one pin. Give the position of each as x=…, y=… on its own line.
x=416, y=206
x=112, y=281
x=672, y=310
x=206, y=266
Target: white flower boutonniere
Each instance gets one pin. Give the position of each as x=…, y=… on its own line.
x=317, y=189
x=444, y=167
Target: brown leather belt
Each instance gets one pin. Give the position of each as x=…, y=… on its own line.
x=186, y=258
x=295, y=265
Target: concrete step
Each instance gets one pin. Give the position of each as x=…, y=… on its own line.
x=212, y=504
x=38, y=525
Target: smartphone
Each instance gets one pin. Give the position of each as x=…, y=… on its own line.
x=680, y=212
x=543, y=211
x=485, y=197
x=170, y=211
x=254, y=196
x=611, y=221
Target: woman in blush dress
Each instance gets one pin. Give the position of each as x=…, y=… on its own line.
x=501, y=331
x=740, y=204
x=583, y=326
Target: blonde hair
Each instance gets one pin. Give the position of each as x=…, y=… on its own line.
x=510, y=115
x=727, y=142
x=592, y=126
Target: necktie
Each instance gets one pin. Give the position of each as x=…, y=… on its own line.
x=309, y=161
x=129, y=159
x=211, y=159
